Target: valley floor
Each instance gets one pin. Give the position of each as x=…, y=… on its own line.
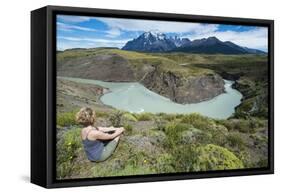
x=155, y=143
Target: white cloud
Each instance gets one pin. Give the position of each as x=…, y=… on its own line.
x=65, y=42
x=162, y=26
x=113, y=32
x=255, y=38
x=92, y=39
x=67, y=27
x=73, y=19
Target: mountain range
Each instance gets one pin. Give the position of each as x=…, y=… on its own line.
x=152, y=41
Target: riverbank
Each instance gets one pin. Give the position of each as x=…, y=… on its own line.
x=172, y=74
x=134, y=97
x=72, y=96
x=164, y=76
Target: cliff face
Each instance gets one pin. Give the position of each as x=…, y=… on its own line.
x=255, y=98
x=184, y=90
x=164, y=81
x=106, y=67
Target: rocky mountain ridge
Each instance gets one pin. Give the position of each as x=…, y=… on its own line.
x=159, y=42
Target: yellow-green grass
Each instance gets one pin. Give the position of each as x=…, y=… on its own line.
x=138, y=60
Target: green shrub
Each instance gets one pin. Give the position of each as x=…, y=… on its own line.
x=212, y=157
x=192, y=135
x=227, y=123
x=198, y=121
x=245, y=157
x=126, y=170
x=256, y=122
x=218, y=137
x=144, y=116
x=173, y=132
x=235, y=140
x=259, y=139
x=178, y=133
x=67, y=150
x=242, y=125
x=66, y=118
x=205, y=158
x=128, y=129
x=101, y=114
x=135, y=170
x=160, y=123
x=184, y=157
x=164, y=163
x=262, y=163
x=171, y=117
x=129, y=117
x=116, y=118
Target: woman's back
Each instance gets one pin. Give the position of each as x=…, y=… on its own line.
x=93, y=148
x=99, y=143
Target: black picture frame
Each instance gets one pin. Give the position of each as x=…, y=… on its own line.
x=43, y=95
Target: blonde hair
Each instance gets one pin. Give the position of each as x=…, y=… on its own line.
x=86, y=116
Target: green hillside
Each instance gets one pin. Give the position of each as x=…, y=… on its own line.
x=162, y=143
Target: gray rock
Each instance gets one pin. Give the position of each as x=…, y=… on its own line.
x=184, y=90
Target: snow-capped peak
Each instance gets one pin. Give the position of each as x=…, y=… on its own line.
x=155, y=33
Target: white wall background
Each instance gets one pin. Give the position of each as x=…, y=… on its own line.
x=15, y=95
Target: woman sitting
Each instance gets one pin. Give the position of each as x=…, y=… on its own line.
x=99, y=142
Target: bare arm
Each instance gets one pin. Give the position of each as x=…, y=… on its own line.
x=105, y=136
x=106, y=129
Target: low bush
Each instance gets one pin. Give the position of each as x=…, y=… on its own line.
x=205, y=158
x=116, y=118
x=67, y=149
x=213, y=157
x=129, y=117
x=173, y=133
x=102, y=114
x=128, y=129
x=164, y=163
x=242, y=125
x=218, y=137
x=144, y=116
x=160, y=123
x=235, y=140
x=198, y=121
x=66, y=118
x=172, y=117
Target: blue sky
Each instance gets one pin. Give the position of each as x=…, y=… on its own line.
x=91, y=32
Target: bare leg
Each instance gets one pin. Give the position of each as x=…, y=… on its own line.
x=109, y=148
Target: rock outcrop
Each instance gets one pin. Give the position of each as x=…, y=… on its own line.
x=184, y=90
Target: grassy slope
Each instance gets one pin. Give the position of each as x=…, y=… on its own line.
x=252, y=67
x=137, y=60
x=164, y=143
x=171, y=143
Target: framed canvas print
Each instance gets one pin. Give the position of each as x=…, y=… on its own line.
x=125, y=96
